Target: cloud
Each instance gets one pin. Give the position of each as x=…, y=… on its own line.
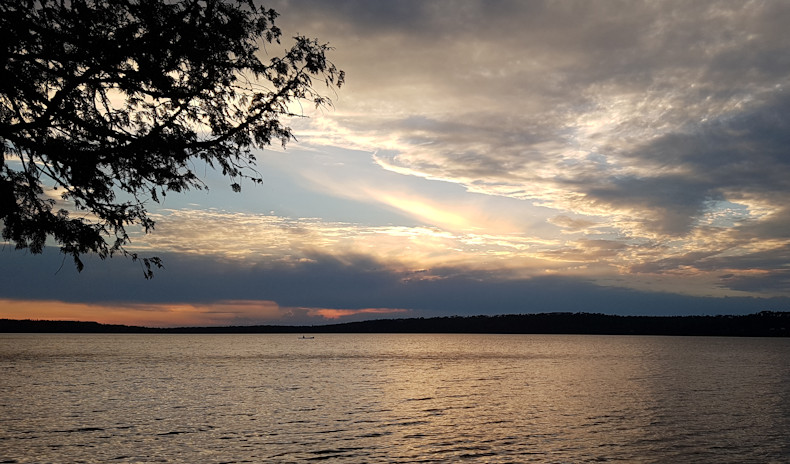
x=571, y=225
x=337, y=314
x=266, y=240
x=742, y=158
x=659, y=125
x=640, y=114
x=758, y=280
x=263, y=243
x=200, y=290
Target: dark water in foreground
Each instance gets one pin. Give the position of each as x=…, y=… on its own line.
x=393, y=398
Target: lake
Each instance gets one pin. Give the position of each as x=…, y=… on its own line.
x=366, y=398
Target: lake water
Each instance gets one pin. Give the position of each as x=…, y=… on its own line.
x=68, y=398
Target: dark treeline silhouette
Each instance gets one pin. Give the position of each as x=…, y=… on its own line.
x=762, y=324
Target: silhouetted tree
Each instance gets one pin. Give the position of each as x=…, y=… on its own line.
x=108, y=103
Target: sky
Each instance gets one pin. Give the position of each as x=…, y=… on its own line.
x=483, y=157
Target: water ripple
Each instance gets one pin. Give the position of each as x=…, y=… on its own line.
x=393, y=399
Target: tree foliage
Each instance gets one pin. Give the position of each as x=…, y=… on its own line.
x=106, y=105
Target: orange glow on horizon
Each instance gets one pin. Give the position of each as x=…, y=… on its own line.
x=147, y=315
x=338, y=313
x=221, y=313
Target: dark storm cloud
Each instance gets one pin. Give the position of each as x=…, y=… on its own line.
x=353, y=282
x=744, y=156
x=748, y=150
x=670, y=203
x=763, y=282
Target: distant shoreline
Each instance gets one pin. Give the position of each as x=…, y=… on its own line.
x=762, y=324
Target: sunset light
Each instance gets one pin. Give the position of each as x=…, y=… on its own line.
x=395, y=231
x=604, y=154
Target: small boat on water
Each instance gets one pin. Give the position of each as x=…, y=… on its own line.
x=305, y=338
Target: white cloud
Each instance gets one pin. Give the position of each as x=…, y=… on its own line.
x=551, y=102
x=259, y=239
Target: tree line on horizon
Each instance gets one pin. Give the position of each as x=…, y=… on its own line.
x=761, y=324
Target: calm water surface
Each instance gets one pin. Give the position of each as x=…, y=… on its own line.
x=393, y=398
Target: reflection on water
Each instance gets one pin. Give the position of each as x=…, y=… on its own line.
x=393, y=398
